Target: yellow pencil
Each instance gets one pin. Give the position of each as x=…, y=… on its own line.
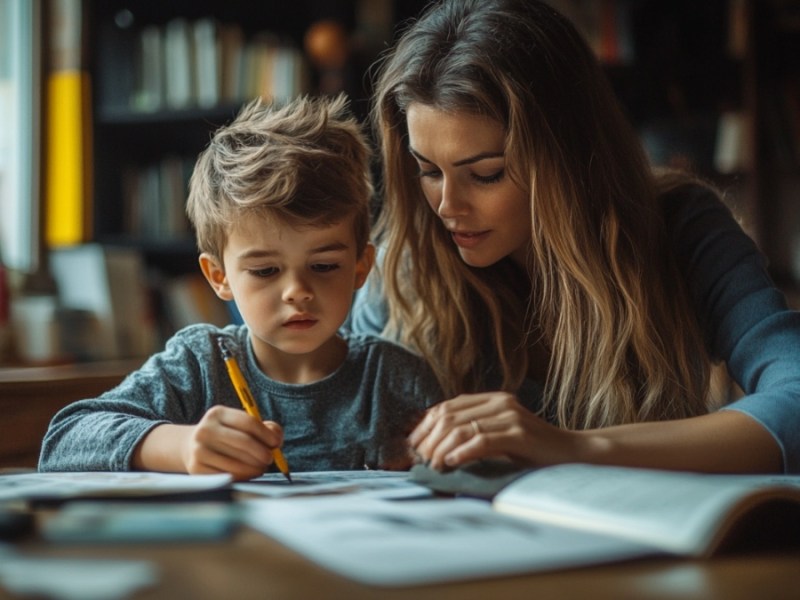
x=248, y=402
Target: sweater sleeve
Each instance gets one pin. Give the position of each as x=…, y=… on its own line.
x=100, y=434
x=744, y=316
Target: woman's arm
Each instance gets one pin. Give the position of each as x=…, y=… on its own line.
x=476, y=426
x=744, y=317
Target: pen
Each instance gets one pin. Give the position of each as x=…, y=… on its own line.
x=249, y=404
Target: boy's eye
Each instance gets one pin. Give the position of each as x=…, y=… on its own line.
x=324, y=267
x=265, y=272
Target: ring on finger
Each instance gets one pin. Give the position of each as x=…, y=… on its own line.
x=476, y=429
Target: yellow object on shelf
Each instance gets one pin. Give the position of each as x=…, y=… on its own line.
x=67, y=190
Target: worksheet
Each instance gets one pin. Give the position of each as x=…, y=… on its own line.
x=46, y=486
x=371, y=483
x=429, y=540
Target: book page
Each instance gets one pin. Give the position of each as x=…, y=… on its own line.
x=679, y=512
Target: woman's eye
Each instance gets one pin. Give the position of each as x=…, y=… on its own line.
x=324, y=267
x=428, y=173
x=265, y=272
x=493, y=178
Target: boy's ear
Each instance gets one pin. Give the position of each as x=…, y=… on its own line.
x=364, y=264
x=214, y=273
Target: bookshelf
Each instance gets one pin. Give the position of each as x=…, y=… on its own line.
x=699, y=81
x=165, y=75
x=162, y=81
x=715, y=87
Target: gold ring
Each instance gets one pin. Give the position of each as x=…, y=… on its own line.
x=475, y=427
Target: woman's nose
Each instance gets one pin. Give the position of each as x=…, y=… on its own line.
x=451, y=202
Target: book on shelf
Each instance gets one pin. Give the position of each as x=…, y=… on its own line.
x=205, y=63
x=154, y=198
x=231, y=42
x=605, y=25
x=179, y=64
x=188, y=299
x=109, y=282
x=150, y=94
x=559, y=517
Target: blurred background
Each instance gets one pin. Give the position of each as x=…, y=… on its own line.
x=105, y=104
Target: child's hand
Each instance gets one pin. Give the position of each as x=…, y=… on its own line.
x=231, y=441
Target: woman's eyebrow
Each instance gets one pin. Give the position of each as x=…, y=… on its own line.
x=464, y=161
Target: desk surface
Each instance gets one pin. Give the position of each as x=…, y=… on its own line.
x=250, y=565
x=30, y=396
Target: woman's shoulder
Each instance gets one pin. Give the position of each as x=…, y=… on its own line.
x=678, y=193
x=694, y=209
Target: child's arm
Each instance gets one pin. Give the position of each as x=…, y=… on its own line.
x=225, y=440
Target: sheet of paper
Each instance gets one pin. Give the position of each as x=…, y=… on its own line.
x=372, y=483
x=413, y=542
x=31, y=486
x=74, y=579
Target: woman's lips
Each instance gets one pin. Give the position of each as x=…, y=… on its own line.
x=468, y=239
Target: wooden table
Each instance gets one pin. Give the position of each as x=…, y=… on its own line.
x=251, y=565
x=30, y=396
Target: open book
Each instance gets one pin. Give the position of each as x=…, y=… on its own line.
x=680, y=513
x=559, y=517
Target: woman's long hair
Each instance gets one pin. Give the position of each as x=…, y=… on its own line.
x=602, y=291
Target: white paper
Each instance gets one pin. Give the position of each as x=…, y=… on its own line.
x=412, y=542
x=30, y=486
x=372, y=483
x=75, y=579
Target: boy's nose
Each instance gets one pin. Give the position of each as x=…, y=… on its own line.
x=297, y=291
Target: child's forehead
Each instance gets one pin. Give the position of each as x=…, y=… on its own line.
x=275, y=229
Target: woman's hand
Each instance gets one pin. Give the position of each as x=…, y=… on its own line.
x=226, y=440
x=489, y=425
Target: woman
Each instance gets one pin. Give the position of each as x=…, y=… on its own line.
x=571, y=301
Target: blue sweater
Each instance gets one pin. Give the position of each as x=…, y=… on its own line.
x=745, y=319
x=358, y=415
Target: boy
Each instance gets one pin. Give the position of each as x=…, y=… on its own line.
x=280, y=205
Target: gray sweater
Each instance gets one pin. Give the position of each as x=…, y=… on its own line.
x=359, y=415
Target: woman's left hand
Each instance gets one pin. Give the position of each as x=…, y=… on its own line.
x=489, y=425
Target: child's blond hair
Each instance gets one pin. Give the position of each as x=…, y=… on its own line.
x=306, y=163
